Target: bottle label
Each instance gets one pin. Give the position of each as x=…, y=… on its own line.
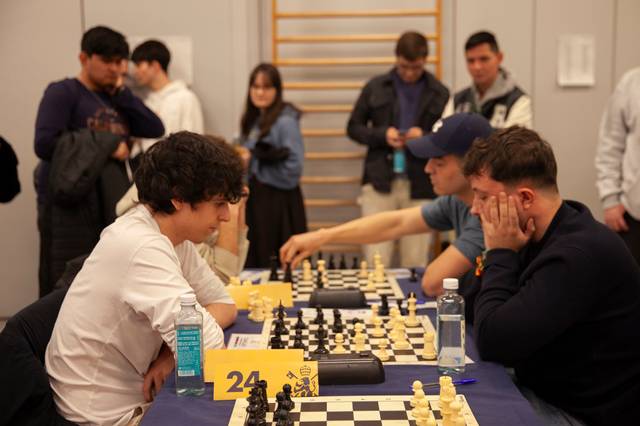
x=399, y=165
x=188, y=350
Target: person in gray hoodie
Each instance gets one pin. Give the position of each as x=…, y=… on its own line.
x=493, y=93
x=618, y=161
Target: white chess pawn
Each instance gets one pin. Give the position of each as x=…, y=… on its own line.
x=374, y=312
x=382, y=350
x=401, y=337
x=421, y=412
x=258, y=314
x=377, y=331
x=412, y=319
x=339, y=341
x=359, y=339
x=363, y=269
x=371, y=286
x=379, y=273
x=455, y=415
x=377, y=259
x=320, y=265
x=418, y=393
x=429, y=350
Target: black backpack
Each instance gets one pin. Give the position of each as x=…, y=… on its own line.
x=9, y=183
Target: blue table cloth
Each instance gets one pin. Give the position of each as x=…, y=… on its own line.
x=494, y=399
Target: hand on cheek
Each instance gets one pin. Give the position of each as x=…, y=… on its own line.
x=501, y=223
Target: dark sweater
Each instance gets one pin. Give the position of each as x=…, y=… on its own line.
x=565, y=312
x=67, y=105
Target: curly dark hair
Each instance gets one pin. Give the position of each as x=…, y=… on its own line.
x=513, y=155
x=190, y=168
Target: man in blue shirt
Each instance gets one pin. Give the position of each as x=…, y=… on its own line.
x=97, y=100
x=444, y=148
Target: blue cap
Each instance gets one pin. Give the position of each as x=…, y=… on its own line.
x=453, y=135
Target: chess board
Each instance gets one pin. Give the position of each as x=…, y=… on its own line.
x=353, y=411
x=341, y=279
x=411, y=355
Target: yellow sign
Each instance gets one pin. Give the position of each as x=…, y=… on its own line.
x=213, y=358
x=233, y=381
x=277, y=292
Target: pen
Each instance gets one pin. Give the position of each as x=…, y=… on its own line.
x=455, y=382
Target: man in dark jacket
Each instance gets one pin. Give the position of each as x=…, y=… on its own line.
x=560, y=292
x=392, y=109
x=95, y=100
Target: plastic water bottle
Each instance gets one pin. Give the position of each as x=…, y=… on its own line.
x=399, y=161
x=189, y=374
x=451, y=355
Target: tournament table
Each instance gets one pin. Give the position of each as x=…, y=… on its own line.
x=494, y=399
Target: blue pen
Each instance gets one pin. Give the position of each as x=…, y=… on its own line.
x=455, y=382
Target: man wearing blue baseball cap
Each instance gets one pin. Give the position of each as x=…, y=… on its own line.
x=445, y=149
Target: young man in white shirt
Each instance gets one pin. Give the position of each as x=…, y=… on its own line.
x=110, y=347
x=176, y=105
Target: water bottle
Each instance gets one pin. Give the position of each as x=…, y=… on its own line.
x=450, y=329
x=189, y=374
x=399, y=161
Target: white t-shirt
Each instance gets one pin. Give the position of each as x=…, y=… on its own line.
x=117, y=313
x=178, y=108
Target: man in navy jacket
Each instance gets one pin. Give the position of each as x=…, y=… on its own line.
x=560, y=293
x=97, y=100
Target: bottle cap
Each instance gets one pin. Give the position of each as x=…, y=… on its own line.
x=450, y=283
x=188, y=299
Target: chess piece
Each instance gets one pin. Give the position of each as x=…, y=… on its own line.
x=384, y=306
x=412, y=320
x=300, y=325
x=343, y=262
x=331, y=264
x=455, y=416
x=416, y=387
x=257, y=313
x=339, y=341
x=421, y=412
x=321, y=333
x=354, y=321
x=378, y=273
x=401, y=337
x=262, y=385
x=273, y=261
x=288, y=275
x=377, y=259
x=319, y=256
x=279, y=327
x=354, y=265
x=321, y=349
x=276, y=341
x=319, y=319
x=286, y=388
x=382, y=350
x=371, y=286
x=281, y=313
x=337, y=327
x=234, y=281
x=414, y=276
x=281, y=413
x=247, y=283
x=429, y=350
x=267, y=308
x=320, y=265
x=297, y=341
x=307, y=275
x=359, y=340
x=377, y=331
x=364, y=272
x=374, y=312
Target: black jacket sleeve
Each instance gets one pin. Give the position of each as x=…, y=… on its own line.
x=142, y=121
x=358, y=127
x=268, y=153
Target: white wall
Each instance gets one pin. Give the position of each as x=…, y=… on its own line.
x=39, y=43
x=229, y=38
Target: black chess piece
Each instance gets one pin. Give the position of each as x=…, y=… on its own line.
x=286, y=388
x=288, y=275
x=384, y=306
x=280, y=328
x=281, y=414
x=402, y=310
x=343, y=262
x=262, y=385
x=300, y=325
x=414, y=276
x=321, y=349
x=331, y=264
x=319, y=255
x=276, y=342
x=319, y=281
x=337, y=327
x=321, y=333
x=273, y=261
x=355, y=264
x=297, y=341
x=354, y=321
x=319, y=319
x=281, y=314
